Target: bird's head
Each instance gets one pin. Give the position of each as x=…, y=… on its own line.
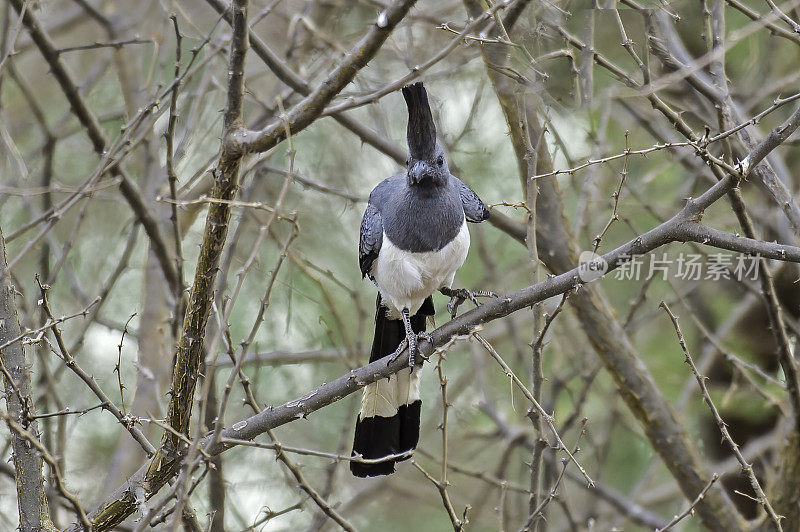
x=426, y=164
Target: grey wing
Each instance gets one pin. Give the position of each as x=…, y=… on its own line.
x=474, y=209
x=371, y=238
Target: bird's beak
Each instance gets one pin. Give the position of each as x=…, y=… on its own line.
x=419, y=172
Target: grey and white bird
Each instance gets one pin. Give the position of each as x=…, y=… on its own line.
x=414, y=237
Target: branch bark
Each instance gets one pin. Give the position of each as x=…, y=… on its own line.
x=293, y=80
x=34, y=514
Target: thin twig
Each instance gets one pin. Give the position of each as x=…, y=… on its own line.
x=690, y=510
x=548, y=419
x=126, y=421
x=747, y=469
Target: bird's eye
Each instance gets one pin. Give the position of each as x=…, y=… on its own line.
x=440, y=161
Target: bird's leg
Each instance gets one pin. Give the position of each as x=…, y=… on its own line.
x=459, y=295
x=410, y=340
x=411, y=337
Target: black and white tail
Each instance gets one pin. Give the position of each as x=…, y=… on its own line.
x=388, y=422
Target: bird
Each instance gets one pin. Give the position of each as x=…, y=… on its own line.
x=413, y=238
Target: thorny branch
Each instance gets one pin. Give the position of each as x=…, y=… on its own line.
x=747, y=469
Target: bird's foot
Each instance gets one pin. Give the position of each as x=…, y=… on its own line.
x=398, y=351
x=459, y=295
x=425, y=337
x=409, y=341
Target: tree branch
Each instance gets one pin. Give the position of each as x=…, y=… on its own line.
x=31, y=498
x=311, y=107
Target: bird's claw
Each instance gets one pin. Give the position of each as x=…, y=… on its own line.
x=412, y=351
x=459, y=295
x=425, y=336
x=397, y=352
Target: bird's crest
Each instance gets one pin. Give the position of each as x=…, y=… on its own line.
x=421, y=130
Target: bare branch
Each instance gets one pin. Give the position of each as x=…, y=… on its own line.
x=311, y=107
x=31, y=498
x=747, y=469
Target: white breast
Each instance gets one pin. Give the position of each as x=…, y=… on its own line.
x=405, y=278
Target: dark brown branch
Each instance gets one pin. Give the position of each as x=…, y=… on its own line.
x=107, y=403
x=170, y=164
x=767, y=21
x=747, y=469
x=690, y=510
